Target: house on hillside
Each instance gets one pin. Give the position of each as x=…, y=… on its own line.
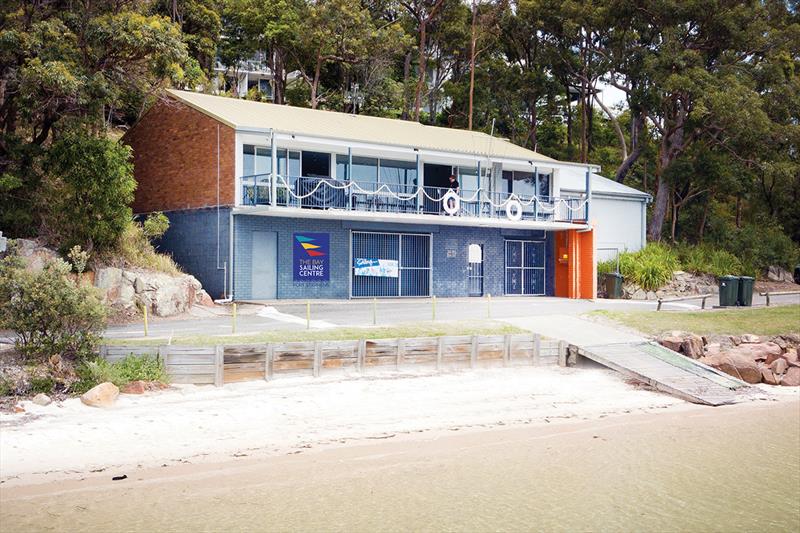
x=269, y=201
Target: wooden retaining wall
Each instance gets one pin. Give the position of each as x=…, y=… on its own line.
x=243, y=362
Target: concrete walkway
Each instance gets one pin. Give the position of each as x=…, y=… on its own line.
x=574, y=330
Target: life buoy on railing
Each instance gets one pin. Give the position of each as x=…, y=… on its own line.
x=514, y=210
x=451, y=202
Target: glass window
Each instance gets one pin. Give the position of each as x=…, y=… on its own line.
x=256, y=160
x=524, y=184
x=544, y=185
x=341, y=167
x=468, y=178
x=365, y=169
x=400, y=173
x=293, y=164
x=508, y=179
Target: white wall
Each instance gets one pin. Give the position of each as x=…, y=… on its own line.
x=618, y=224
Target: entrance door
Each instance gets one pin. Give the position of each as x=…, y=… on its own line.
x=390, y=264
x=436, y=184
x=475, y=269
x=525, y=267
x=264, y=265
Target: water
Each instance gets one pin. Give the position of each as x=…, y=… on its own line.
x=706, y=469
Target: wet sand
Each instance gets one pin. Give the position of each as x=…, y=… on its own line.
x=686, y=468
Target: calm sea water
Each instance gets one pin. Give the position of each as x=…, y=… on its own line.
x=724, y=469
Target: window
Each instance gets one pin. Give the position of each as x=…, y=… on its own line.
x=524, y=184
x=256, y=160
x=316, y=164
x=468, y=179
x=544, y=185
x=399, y=175
x=293, y=163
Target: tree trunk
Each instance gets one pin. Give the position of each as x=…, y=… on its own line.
x=675, y=207
x=406, y=76
x=278, y=77
x=472, y=42
x=423, y=68
x=636, y=150
x=702, y=227
x=659, y=207
x=315, y=82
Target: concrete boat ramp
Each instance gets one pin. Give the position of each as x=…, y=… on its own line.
x=636, y=357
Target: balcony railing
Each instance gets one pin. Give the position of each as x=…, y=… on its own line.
x=327, y=193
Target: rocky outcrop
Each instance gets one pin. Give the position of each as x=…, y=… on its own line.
x=162, y=294
x=102, y=395
x=753, y=359
x=34, y=254
x=682, y=284
x=780, y=274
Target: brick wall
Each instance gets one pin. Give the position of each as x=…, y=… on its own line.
x=449, y=269
x=175, y=159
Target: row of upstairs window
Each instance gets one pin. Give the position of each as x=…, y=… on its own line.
x=395, y=173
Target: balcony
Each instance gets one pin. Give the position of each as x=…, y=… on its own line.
x=385, y=198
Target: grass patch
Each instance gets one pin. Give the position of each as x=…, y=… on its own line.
x=120, y=373
x=760, y=321
x=410, y=330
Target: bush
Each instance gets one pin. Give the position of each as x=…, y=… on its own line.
x=49, y=311
x=155, y=225
x=651, y=267
x=704, y=259
x=135, y=250
x=760, y=246
x=88, y=191
x=120, y=373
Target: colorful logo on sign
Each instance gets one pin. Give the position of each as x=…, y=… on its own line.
x=307, y=243
x=311, y=256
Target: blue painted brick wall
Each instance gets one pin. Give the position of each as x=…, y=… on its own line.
x=449, y=273
x=192, y=242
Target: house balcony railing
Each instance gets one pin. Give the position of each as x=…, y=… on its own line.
x=327, y=193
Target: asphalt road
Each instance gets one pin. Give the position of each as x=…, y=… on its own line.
x=262, y=316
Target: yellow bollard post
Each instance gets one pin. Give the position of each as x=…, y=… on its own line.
x=489, y=305
x=374, y=311
x=433, y=308
x=308, y=314
x=144, y=309
x=233, y=318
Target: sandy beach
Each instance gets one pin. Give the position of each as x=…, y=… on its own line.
x=206, y=424
x=659, y=467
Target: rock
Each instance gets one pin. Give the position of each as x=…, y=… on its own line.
x=639, y=295
x=33, y=254
x=42, y=399
x=103, y=395
x=750, y=339
x=202, y=298
x=768, y=377
x=692, y=346
x=673, y=342
x=791, y=355
x=776, y=273
x=792, y=377
x=736, y=341
x=138, y=285
x=19, y=409
x=779, y=366
x=736, y=365
x=759, y=352
x=688, y=344
x=713, y=348
x=135, y=387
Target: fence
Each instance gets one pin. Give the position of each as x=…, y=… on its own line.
x=243, y=362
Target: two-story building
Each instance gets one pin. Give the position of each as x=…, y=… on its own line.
x=269, y=201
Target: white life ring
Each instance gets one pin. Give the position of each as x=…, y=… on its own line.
x=451, y=207
x=514, y=210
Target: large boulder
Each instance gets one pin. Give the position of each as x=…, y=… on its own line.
x=102, y=395
x=792, y=377
x=779, y=274
x=736, y=365
x=768, y=377
x=761, y=351
x=779, y=366
x=688, y=344
x=33, y=254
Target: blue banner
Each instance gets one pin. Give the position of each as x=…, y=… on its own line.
x=311, y=253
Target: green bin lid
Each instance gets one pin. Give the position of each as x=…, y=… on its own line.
x=747, y=278
x=728, y=278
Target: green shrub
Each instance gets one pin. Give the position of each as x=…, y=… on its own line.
x=49, y=312
x=704, y=259
x=88, y=191
x=762, y=245
x=43, y=384
x=155, y=225
x=651, y=267
x=134, y=249
x=120, y=373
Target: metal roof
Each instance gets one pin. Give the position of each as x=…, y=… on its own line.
x=576, y=182
x=244, y=114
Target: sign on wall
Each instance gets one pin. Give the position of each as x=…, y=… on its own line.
x=383, y=268
x=311, y=256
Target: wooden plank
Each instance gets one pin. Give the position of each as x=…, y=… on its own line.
x=439, y=353
x=191, y=369
x=537, y=349
x=219, y=371
x=207, y=379
x=269, y=370
x=400, y=352
x=362, y=350
x=317, y=359
x=506, y=349
x=562, y=353
x=473, y=352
